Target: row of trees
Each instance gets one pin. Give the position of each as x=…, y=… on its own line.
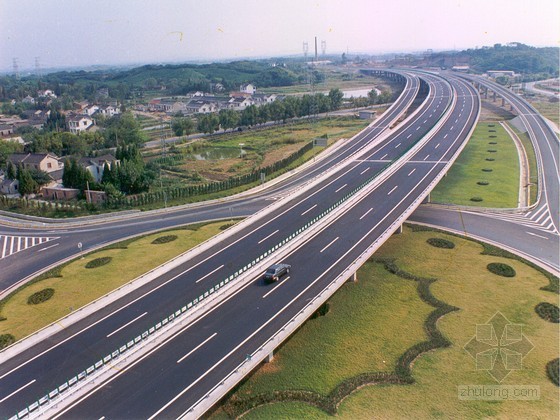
x=290, y=107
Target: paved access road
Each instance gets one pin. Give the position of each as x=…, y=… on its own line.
x=45, y=365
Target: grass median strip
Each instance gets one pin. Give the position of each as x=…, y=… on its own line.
x=488, y=174
x=406, y=322
x=74, y=285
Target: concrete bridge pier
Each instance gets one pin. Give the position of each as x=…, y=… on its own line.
x=269, y=358
x=428, y=198
x=353, y=278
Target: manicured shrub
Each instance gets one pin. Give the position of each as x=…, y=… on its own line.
x=491, y=150
x=492, y=137
x=40, y=296
x=491, y=131
x=492, y=142
x=226, y=226
x=6, y=340
x=501, y=269
x=476, y=199
x=483, y=183
x=98, y=262
x=487, y=170
x=548, y=311
x=490, y=159
x=322, y=311
x=441, y=243
x=552, y=370
x=164, y=239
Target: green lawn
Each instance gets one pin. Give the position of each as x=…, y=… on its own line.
x=373, y=321
x=488, y=160
x=77, y=285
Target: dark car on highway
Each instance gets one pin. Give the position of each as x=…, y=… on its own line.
x=274, y=272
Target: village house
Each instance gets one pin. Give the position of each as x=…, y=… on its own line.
x=201, y=106
x=79, y=123
x=248, y=88
x=46, y=162
x=46, y=94
x=6, y=130
x=28, y=100
x=109, y=111
x=90, y=110
x=95, y=165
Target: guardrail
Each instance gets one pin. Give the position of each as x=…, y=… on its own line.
x=107, y=360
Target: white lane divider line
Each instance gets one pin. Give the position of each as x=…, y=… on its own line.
x=426, y=157
x=17, y=390
x=397, y=145
x=366, y=213
x=364, y=171
x=49, y=247
x=411, y=172
x=346, y=184
x=127, y=324
x=437, y=145
x=308, y=210
x=393, y=189
x=279, y=284
x=445, y=136
x=216, y=269
x=384, y=156
x=409, y=136
x=330, y=243
x=538, y=236
x=197, y=347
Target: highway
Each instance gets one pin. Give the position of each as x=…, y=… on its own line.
x=193, y=361
x=29, y=375
x=14, y=271
x=335, y=246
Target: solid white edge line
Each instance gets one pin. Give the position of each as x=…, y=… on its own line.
x=126, y=325
x=330, y=243
x=538, y=236
x=213, y=271
x=197, y=347
x=17, y=390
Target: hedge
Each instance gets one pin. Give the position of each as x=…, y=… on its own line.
x=440, y=243
x=548, y=311
x=6, y=340
x=98, y=262
x=164, y=239
x=501, y=269
x=552, y=369
x=40, y=296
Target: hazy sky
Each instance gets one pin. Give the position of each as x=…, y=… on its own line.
x=80, y=32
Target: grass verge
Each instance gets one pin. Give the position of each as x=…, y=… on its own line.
x=76, y=286
x=500, y=176
x=376, y=324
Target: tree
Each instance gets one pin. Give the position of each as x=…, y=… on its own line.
x=372, y=96
x=27, y=184
x=182, y=126
x=228, y=118
x=336, y=96
x=11, y=171
x=208, y=123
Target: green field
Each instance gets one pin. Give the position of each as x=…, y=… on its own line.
x=485, y=174
x=373, y=322
x=76, y=286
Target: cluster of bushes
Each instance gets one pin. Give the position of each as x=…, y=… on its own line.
x=208, y=188
x=441, y=243
x=548, y=311
x=164, y=239
x=501, y=269
x=6, y=340
x=98, y=262
x=40, y=296
x=552, y=370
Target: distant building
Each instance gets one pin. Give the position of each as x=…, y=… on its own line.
x=462, y=69
x=90, y=110
x=79, y=123
x=46, y=162
x=28, y=100
x=109, y=111
x=201, y=106
x=46, y=94
x=248, y=88
x=6, y=130
x=500, y=73
x=60, y=193
x=95, y=165
x=9, y=187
